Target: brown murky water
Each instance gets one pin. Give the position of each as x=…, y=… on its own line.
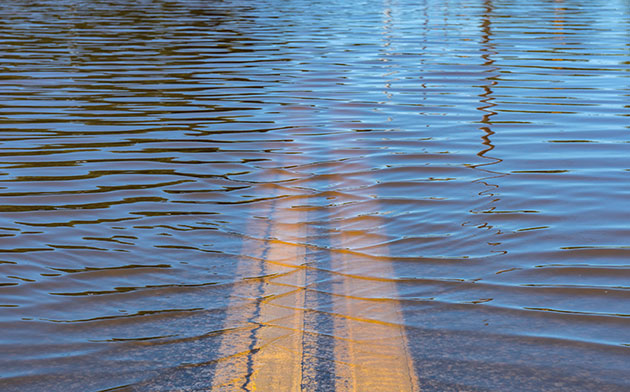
x=315, y=195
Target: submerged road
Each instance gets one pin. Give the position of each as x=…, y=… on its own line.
x=276, y=345
x=315, y=195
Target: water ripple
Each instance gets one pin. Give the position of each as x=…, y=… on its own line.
x=178, y=179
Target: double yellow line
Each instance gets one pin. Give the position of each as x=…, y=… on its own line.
x=264, y=348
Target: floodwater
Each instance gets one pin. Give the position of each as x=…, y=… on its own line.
x=287, y=195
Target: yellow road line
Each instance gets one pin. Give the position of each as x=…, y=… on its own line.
x=279, y=361
x=373, y=354
x=371, y=350
x=267, y=356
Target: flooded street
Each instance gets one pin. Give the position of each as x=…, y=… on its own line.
x=386, y=195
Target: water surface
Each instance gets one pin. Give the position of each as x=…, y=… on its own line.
x=174, y=172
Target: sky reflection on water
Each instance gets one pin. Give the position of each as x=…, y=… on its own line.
x=181, y=180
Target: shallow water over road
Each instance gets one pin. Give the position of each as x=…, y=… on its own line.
x=315, y=195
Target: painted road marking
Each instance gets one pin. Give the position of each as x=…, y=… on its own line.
x=373, y=354
x=370, y=347
x=267, y=356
